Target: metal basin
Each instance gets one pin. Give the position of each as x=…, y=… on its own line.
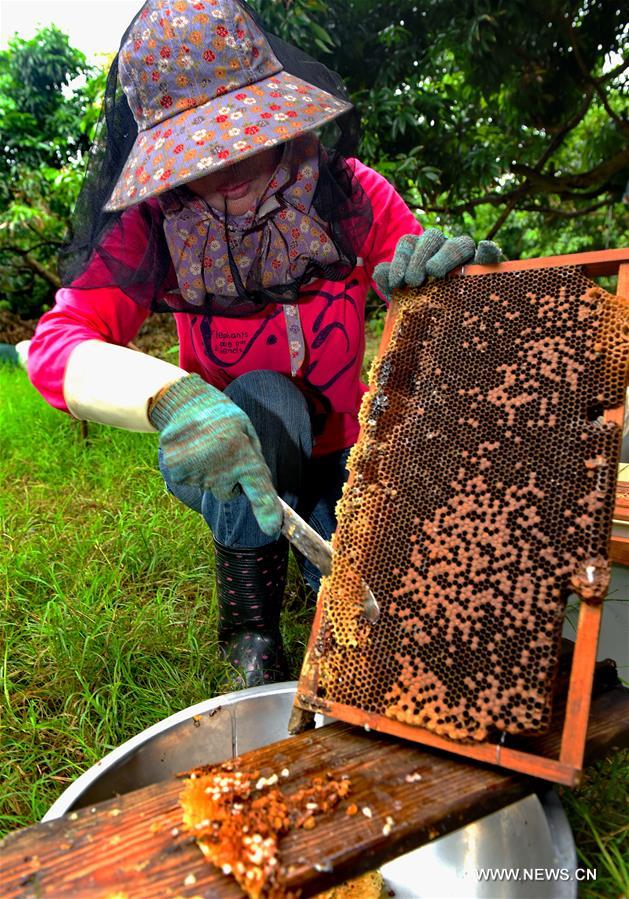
x=532, y=833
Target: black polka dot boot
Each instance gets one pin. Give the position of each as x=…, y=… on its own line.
x=250, y=587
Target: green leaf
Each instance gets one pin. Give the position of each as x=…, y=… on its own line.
x=322, y=34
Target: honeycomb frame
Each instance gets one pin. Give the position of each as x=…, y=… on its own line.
x=450, y=693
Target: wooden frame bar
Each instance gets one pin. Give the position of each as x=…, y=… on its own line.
x=595, y=264
x=565, y=769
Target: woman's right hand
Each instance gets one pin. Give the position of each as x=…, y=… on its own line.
x=210, y=443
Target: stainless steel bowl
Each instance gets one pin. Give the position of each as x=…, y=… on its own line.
x=530, y=835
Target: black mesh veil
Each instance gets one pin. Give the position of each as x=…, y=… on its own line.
x=95, y=254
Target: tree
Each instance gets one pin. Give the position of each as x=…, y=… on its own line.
x=497, y=117
x=541, y=126
x=45, y=131
x=500, y=111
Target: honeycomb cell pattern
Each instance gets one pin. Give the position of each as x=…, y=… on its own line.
x=481, y=495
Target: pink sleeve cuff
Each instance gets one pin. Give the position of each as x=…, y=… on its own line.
x=392, y=219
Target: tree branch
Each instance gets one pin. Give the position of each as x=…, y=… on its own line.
x=42, y=271
x=506, y=212
x=493, y=199
x=33, y=264
x=558, y=184
x=609, y=76
x=35, y=246
x=563, y=186
x=577, y=187
x=555, y=212
x=566, y=128
x=553, y=146
x=594, y=82
x=490, y=199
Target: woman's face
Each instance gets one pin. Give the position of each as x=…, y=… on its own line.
x=238, y=187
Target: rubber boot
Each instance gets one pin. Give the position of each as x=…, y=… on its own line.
x=250, y=587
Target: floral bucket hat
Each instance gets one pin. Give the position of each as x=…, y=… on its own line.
x=205, y=90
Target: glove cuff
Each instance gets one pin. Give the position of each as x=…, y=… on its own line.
x=175, y=396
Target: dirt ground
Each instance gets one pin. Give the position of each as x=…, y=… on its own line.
x=13, y=328
x=157, y=335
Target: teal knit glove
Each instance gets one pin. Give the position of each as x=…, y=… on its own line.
x=431, y=253
x=210, y=443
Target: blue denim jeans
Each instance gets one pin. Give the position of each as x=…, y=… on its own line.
x=310, y=486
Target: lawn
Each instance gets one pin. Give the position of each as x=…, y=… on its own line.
x=108, y=620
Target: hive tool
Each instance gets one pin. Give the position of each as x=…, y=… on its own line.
x=320, y=553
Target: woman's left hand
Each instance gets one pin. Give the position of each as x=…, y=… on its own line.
x=431, y=253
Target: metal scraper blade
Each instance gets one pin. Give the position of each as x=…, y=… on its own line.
x=319, y=552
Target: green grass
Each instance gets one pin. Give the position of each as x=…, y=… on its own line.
x=108, y=618
x=108, y=613
x=598, y=812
